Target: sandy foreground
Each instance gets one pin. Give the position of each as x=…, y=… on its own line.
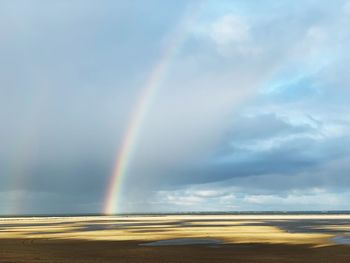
x=182, y=238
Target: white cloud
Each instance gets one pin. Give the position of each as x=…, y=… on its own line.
x=310, y=197
x=229, y=29
x=194, y=198
x=240, y=199
x=232, y=35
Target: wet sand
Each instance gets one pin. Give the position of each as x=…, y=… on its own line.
x=221, y=238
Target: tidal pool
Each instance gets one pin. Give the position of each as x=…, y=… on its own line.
x=341, y=240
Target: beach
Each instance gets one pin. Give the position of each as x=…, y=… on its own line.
x=176, y=238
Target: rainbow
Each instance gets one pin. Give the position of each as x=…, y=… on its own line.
x=154, y=82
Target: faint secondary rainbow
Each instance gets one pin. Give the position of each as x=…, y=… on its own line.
x=155, y=80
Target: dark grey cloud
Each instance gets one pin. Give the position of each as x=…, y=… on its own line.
x=70, y=76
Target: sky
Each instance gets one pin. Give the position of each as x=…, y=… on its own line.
x=250, y=114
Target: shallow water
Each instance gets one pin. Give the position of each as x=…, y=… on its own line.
x=341, y=240
x=184, y=241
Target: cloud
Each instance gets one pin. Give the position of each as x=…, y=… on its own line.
x=68, y=87
x=229, y=30
x=255, y=99
x=241, y=199
x=198, y=131
x=193, y=199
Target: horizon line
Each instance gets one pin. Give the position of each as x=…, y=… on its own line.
x=180, y=213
